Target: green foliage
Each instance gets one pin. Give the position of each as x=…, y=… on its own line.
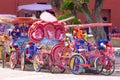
x=79, y=9
x=84, y=1
x=65, y=16
x=67, y=5
x=73, y=21
x=87, y=1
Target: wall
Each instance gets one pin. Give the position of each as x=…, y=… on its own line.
x=110, y=10
x=10, y=6
x=22, y=2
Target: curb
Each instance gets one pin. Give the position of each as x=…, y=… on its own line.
x=117, y=72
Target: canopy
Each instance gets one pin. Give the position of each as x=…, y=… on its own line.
x=8, y=15
x=35, y=7
x=21, y=20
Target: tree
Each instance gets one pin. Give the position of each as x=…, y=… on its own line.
x=82, y=6
x=62, y=13
x=56, y=4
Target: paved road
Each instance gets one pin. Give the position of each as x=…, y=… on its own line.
x=29, y=74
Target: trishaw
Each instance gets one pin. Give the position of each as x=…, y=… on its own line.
x=5, y=27
x=44, y=36
x=99, y=60
x=19, y=40
x=60, y=55
x=47, y=47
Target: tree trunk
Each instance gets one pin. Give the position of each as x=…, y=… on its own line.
x=87, y=13
x=74, y=12
x=90, y=20
x=97, y=11
x=98, y=32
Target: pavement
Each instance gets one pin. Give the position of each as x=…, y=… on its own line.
x=117, y=58
x=29, y=73
x=17, y=74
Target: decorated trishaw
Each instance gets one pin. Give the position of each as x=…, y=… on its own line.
x=5, y=28
x=93, y=57
x=19, y=39
x=49, y=37
x=47, y=43
x=44, y=36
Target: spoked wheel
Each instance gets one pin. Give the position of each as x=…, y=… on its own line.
x=23, y=61
x=57, y=55
x=108, y=66
x=98, y=65
x=47, y=60
x=54, y=68
x=75, y=64
x=13, y=60
x=36, y=66
x=105, y=65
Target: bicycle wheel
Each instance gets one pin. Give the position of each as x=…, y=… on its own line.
x=75, y=62
x=98, y=65
x=23, y=61
x=47, y=60
x=13, y=60
x=57, y=52
x=36, y=64
x=108, y=67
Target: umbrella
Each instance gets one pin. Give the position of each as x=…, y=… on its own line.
x=35, y=7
